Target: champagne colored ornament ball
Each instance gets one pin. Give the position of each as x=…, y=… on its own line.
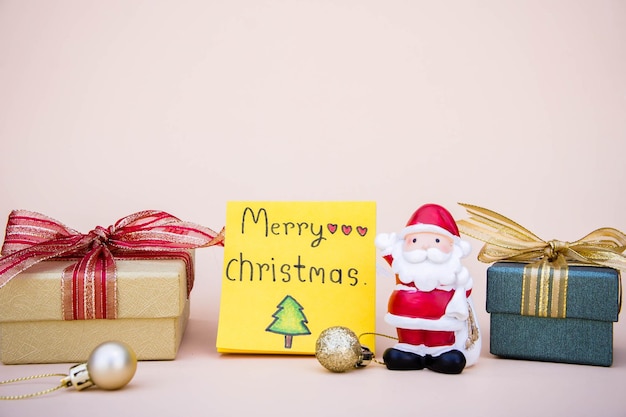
x=338, y=349
x=112, y=365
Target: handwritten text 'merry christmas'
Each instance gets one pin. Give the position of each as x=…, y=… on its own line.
x=261, y=264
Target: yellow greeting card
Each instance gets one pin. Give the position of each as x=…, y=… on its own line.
x=293, y=269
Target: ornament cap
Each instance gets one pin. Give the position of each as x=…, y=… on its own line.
x=78, y=377
x=367, y=356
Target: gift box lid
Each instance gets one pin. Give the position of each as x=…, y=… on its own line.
x=145, y=289
x=593, y=293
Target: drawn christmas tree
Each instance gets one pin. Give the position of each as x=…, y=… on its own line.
x=289, y=320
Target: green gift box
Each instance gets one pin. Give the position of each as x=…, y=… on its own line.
x=550, y=300
x=568, y=320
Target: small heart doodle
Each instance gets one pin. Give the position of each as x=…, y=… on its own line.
x=346, y=229
x=362, y=230
x=332, y=227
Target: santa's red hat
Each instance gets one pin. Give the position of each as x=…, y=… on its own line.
x=435, y=219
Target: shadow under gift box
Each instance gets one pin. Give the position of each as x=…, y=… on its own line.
x=153, y=309
x=584, y=336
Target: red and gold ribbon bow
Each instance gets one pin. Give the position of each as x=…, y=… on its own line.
x=506, y=240
x=89, y=285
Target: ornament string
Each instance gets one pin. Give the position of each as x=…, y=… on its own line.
x=377, y=334
x=63, y=384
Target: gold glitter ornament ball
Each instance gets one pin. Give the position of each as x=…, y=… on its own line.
x=338, y=349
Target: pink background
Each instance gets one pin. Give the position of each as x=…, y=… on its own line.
x=111, y=107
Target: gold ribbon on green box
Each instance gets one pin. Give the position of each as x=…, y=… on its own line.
x=544, y=282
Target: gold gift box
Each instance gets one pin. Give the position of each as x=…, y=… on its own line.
x=153, y=309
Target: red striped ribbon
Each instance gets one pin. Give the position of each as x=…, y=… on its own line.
x=89, y=285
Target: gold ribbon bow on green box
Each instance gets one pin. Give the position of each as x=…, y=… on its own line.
x=544, y=283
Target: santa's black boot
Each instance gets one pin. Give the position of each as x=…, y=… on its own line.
x=452, y=362
x=398, y=360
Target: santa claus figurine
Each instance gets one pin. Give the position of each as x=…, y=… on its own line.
x=430, y=305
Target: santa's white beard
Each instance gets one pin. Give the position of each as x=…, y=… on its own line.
x=427, y=269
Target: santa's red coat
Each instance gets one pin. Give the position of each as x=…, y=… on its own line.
x=424, y=305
